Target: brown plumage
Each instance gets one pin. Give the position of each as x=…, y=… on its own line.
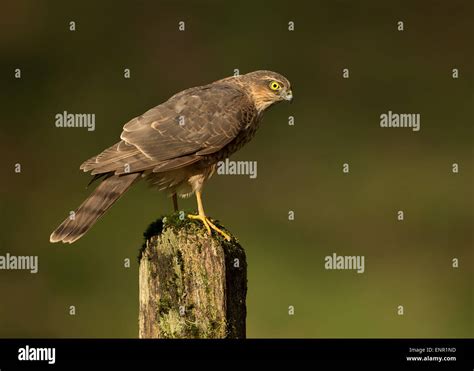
x=176, y=145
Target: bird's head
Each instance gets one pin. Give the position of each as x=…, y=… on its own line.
x=266, y=88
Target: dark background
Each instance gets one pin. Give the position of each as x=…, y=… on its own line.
x=299, y=167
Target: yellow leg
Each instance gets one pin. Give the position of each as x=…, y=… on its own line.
x=205, y=220
x=175, y=202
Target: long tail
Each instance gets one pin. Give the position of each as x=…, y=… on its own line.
x=103, y=197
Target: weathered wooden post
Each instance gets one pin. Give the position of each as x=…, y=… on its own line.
x=191, y=284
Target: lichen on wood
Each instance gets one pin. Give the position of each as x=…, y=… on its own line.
x=192, y=285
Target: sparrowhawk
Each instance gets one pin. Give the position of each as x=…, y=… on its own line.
x=176, y=145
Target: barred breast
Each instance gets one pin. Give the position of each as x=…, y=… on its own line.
x=187, y=180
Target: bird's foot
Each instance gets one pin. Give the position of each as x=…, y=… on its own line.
x=209, y=225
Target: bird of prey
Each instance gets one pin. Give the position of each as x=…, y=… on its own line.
x=176, y=145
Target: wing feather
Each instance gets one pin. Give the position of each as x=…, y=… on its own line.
x=195, y=122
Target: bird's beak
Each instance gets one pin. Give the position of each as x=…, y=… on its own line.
x=287, y=95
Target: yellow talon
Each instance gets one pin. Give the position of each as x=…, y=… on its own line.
x=208, y=224
x=204, y=219
x=218, y=230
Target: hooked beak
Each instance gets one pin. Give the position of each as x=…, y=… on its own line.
x=287, y=95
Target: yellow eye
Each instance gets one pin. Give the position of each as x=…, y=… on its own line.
x=275, y=86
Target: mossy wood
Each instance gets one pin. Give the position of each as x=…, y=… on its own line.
x=191, y=285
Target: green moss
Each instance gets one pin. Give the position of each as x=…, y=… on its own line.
x=164, y=306
x=178, y=248
x=178, y=220
x=154, y=229
x=205, y=282
x=194, y=331
x=213, y=325
x=179, y=256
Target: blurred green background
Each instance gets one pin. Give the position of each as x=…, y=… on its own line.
x=299, y=167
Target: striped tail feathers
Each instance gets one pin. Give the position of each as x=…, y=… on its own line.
x=99, y=201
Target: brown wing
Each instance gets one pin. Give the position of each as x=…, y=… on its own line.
x=195, y=122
